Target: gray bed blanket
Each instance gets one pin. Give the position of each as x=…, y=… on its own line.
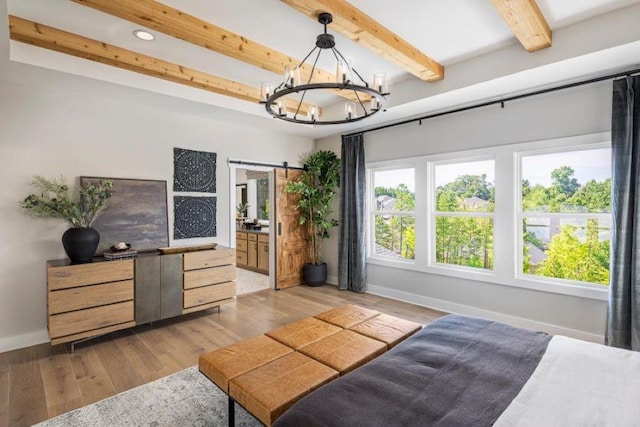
x=457, y=371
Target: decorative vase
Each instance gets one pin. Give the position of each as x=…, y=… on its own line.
x=315, y=275
x=80, y=244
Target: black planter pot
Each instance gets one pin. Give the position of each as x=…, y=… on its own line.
x=80, y=244
x=315, y=275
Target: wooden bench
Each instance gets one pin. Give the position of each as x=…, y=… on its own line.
x=269, y=373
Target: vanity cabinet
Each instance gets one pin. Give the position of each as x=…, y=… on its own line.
x=263, y=252
x=252, y=251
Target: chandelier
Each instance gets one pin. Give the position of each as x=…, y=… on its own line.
x=286, y=101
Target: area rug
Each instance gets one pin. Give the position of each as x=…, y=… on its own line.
x=186, y=398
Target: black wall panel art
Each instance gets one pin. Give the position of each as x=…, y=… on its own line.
x=194, y=217
x=194, y=172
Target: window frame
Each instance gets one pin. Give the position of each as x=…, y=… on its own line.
x=372, y=213
x=506, y=230
x=521, y=215
x=434, y=213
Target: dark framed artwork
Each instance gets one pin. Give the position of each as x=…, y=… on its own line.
x=194, y=171
x=194, y=217
x=136, y=213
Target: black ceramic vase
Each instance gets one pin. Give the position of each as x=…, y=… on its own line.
x=315, y=275
x=80, y=244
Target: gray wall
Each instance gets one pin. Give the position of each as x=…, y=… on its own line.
x=50, y=129
x=577, y=111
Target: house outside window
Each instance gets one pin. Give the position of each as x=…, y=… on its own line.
x=392, y=214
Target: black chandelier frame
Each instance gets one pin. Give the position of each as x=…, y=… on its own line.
x=324, y=41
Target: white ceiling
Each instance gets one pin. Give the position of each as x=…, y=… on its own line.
x=481, y=56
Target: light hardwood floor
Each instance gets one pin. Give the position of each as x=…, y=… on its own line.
x=40, y=382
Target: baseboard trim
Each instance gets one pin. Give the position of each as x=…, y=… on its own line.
x=25, y=340
x=332, y=280
x=452, y=307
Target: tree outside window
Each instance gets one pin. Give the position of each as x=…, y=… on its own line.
x=566, y=215
x=393, y=214
x=464, y=206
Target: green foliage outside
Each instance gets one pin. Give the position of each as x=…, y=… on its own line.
x=394, y=232
x=53, y=200
x=573, y=252
x=262, y=190
x=466, y=240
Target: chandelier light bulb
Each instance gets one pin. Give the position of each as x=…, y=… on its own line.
x=350, y=112
x=313, y=113
x=291, y=76
x=266, y=90
x=374, y=104
x=380, y=83
x=343, y=71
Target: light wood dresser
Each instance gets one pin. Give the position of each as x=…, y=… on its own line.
x=208, y=279
x=87, y=300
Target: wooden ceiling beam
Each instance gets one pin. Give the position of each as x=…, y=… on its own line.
x=40, y=35
x=175, y=23
x=526, y=21
x=364, y=30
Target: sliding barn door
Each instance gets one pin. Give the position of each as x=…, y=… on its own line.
x=292, y=239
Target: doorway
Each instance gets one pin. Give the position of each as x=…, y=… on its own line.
x=251, y=233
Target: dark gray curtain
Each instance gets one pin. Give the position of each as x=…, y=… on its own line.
x=352, y=248
x=623, y=319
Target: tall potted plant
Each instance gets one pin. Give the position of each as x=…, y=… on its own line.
x=317, y=188
x=53, y=200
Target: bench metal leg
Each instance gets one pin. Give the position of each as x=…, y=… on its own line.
x=231, y=410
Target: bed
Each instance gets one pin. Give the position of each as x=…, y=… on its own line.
x=463, y=371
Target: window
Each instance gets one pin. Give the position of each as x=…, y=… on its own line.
x=463, y=213
x=565, y=212
x=535, y=215
x=392, y=214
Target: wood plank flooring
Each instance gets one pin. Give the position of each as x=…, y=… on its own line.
x=40, y=382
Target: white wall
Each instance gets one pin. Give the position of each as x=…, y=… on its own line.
x=52, y=130
x=577, y=111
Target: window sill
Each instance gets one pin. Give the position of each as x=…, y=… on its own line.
x=491, y=277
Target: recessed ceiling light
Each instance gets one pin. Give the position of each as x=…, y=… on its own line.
x=144, y=35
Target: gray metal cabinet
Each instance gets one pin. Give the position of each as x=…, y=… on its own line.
x=158, y=287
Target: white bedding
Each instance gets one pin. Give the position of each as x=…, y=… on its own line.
x=578, y=383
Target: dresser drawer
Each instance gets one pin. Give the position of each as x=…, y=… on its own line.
x=252, y=237
x=90, y=318
x=205, y=259
x=209, y=294
x=88, y=274
x=263, y=238
x=209, y=276
x=89, y=296
x=241, y=235
x=241, y=245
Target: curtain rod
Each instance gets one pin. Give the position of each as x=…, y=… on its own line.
x=284, y=165
x=500, y=101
